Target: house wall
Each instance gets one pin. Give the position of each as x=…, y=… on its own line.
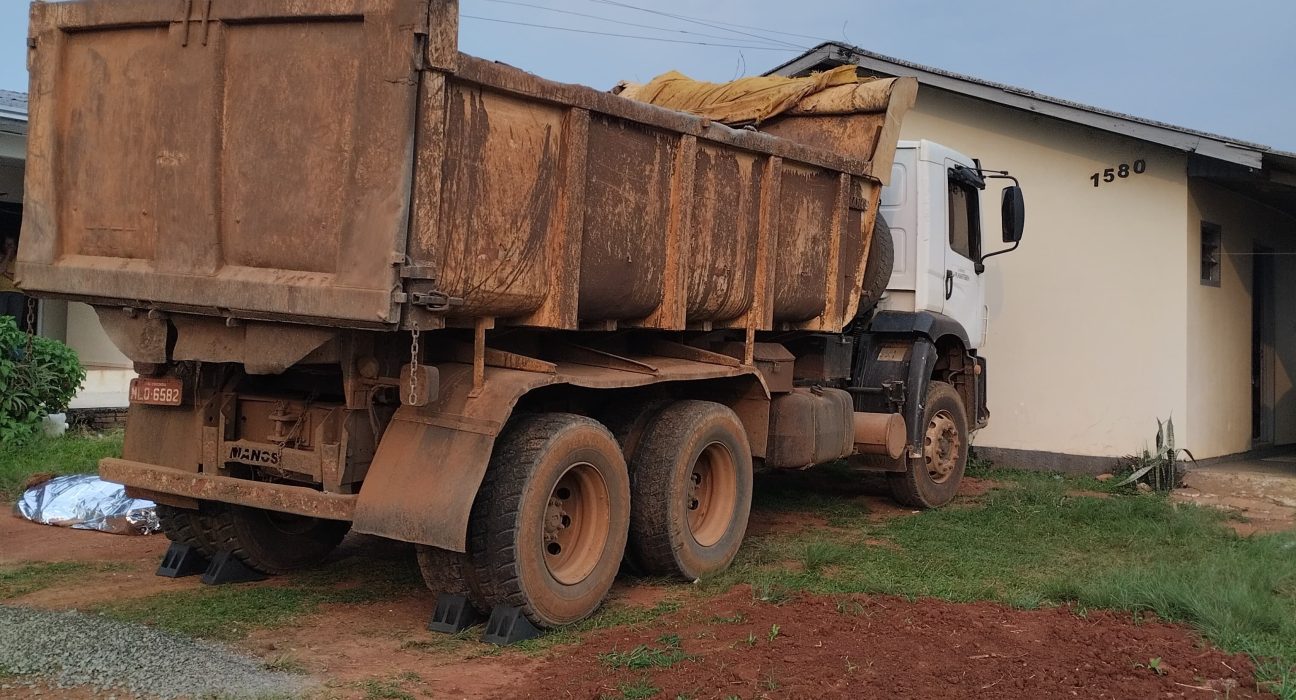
x=1219, y=322
x=1086, y=344
x=108, y=371
x=87, y=337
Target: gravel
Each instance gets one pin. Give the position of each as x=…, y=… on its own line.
x=69, y=648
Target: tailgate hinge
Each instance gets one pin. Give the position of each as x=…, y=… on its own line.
x=430, y=301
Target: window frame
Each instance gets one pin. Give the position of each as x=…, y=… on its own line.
x=973, y=198
x=1212, y=236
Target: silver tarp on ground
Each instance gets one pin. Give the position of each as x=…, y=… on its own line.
x=86, y=502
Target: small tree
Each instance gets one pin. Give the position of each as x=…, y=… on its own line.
x=38, y=376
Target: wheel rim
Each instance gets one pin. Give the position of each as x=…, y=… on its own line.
x=941, y=447
x=576, y=524
x=712, y=494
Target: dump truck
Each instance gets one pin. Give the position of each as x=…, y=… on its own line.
x=371, y=283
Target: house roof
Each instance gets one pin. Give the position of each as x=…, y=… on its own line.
x=1214, y=146
x=13, y=105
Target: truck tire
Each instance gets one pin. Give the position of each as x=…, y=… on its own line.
x=449, y=572
x=186, y=526
x=628, y=421
x=549, y=524
x=877, y=270
x=691, y=489
x=273, y=542
x=933, y=480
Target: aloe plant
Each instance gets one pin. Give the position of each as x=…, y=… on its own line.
x=1159, y=470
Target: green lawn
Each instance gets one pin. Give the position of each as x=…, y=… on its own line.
x=73, y=453
x=1039, y=542
x=19, y=580
x=230, y=612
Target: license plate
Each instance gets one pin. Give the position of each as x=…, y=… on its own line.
x=156, y=391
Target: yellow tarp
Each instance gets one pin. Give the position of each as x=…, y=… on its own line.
x=758, y=98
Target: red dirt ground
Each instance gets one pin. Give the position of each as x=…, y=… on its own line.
x=872, y=647
x=860, y=646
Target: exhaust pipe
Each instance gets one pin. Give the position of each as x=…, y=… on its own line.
x=880, y=434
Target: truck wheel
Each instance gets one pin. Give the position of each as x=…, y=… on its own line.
x=273, y=542
x=691, y=489
x=186, y=526
x=877, y=270
x=449, y=572
x=548, y=526
x=933, y=480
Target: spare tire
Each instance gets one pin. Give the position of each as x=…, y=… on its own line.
x=877, y=271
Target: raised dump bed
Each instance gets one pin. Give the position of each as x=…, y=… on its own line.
x=339, y=163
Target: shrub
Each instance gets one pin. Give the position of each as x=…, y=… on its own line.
x=38, y=376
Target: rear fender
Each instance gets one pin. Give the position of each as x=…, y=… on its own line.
x=431, y=460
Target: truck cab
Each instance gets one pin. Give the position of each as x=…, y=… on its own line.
x=934, y=213
x=922, y=336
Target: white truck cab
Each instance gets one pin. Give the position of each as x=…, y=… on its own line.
x=921, y=338
x=933, y=208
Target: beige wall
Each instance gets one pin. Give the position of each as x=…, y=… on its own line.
x=1219, y=322
x=1086, y=344
x=87, y=338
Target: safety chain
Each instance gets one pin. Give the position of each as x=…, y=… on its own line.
x=414, y=364
x=30, y=323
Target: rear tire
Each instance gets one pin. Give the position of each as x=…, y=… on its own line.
x=691, y=488
x=933, y=480
x=450, y=573
x=273, y=542
x=549, y=524
x=186, y=526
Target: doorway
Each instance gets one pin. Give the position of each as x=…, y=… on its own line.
x=1262, y=346
x=12, y=301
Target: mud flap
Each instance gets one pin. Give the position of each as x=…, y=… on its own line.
x=424, y=476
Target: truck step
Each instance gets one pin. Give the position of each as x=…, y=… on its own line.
x=182, y=560
x=453, y=614
x=507, y=625
x=227, y=568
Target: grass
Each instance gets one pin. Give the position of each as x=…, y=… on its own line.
x=612, y=615
x=384, y=690
x=72, y=453
x=646, y=656
x=638, y=690
x=1036, y=543
x=230, y=612
x=218, y=612
x=28, y=578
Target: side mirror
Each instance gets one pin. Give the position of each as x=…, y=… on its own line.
x=1012, y=212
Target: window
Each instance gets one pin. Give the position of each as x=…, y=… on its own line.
x=1212, y=249
x=964, y=220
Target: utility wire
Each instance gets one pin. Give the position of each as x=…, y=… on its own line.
x=609, y=19
x=768, y=31
x=631, y=36
x=691, y=20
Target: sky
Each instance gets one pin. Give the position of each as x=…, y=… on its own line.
x=1226, y=68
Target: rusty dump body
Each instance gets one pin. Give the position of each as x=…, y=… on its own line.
x=359, y=250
